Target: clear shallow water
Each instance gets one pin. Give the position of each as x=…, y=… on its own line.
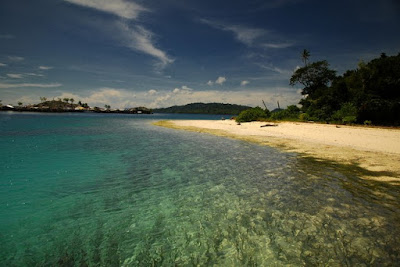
x=109, y=190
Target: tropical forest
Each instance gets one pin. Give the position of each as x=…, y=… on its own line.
x=369, y=94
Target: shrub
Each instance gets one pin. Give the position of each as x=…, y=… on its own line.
x=290, y=113
x=253, y=114
x=304, y=117
x=346, y=114
x=349, y=119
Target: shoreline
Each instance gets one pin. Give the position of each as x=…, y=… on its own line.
x=374, y=152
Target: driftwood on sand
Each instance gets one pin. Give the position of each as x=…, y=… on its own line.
x=269, y=125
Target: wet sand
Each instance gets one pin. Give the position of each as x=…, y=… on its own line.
x=375, y=152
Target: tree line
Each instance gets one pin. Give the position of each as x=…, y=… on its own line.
x=369, y=94
x=205, y=108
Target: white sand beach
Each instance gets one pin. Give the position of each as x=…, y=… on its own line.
x=376, y=150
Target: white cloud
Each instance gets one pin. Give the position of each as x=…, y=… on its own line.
x=133, y=36
x=170, y=97
x=220, y=80
x=106, y=96
x=152, y=92
x=277, y=45
x=20, y=76
x=243, y=34
x=139, y=39
x=3, y=65
x=244, y=83
x=249, y=36
x=246, y=35
x=15, y=58
x=14, y=75
x=34, y=74
x=275, y=69
x=183, y=90
x=45, y=67
x=18, y=85
x=120, y=8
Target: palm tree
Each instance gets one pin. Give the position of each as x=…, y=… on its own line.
x=20, y=103
x=66, y=99
x=72, y=100
x=305, y=55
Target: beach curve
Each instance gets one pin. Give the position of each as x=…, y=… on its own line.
x=375, y=152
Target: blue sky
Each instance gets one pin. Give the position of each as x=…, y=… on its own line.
x=161, y=53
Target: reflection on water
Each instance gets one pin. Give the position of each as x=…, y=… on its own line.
x=164, y=197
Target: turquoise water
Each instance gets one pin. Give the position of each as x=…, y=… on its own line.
x=114, y=190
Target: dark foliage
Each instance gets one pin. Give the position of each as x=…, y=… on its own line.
x=253, y=114
x=202, y=108
x=369, y=93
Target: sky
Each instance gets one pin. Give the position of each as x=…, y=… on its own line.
x=130, y=53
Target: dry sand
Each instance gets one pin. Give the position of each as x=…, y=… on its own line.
x=373, y=152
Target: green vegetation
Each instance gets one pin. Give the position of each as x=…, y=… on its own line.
x=290, y=113
x=55, y=105
x=367, y=95
x=253, y=114
x=201, y=108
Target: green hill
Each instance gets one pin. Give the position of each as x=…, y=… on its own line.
x=202, y=108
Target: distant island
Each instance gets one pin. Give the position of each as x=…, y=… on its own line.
x=67, y=105
x=204, y=108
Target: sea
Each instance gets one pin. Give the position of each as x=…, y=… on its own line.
x=82, y=189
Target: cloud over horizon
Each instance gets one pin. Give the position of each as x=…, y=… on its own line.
x=161, y=53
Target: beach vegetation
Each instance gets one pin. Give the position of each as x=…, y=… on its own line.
x=346, y=114
x=253, y=114
x=290, y=113
x=371, y=92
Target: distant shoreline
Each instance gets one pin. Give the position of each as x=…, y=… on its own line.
x=48, y=110
x=376, y=151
